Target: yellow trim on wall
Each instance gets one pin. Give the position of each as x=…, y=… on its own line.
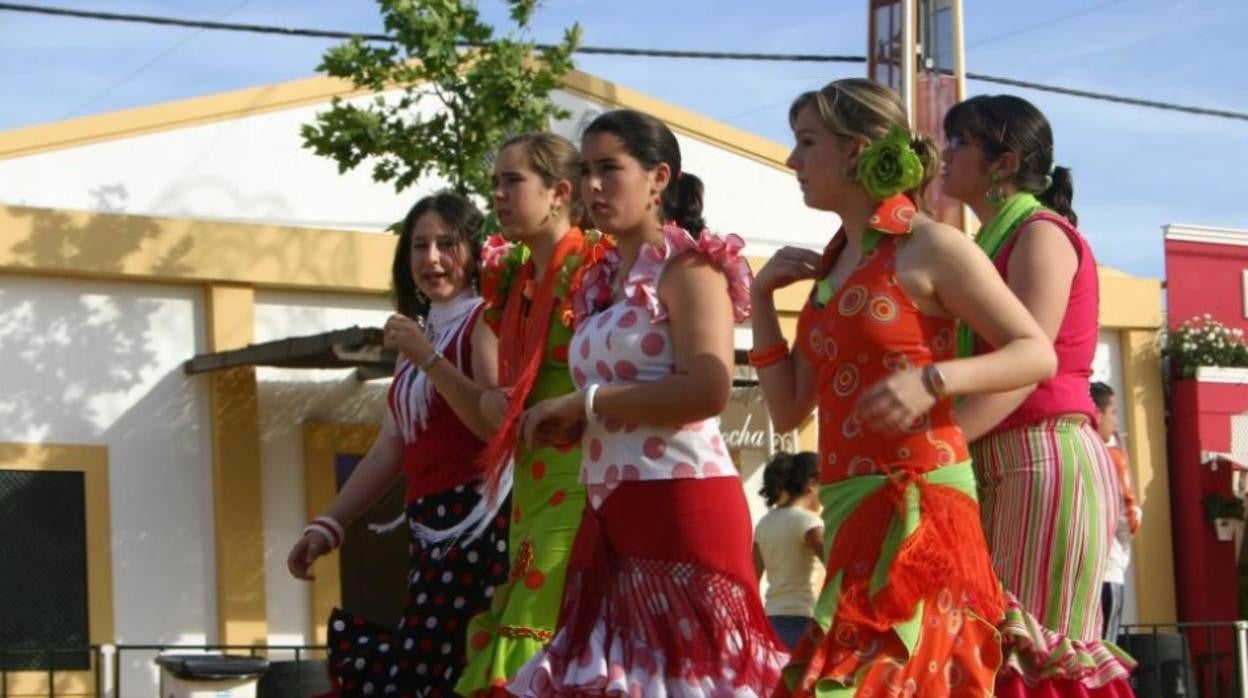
x=195, y=111
x=322, y=441
x=1129, y=302
x=717, y=133
x=1143, y=405
x=92, y=462
x=186, y=250
x=238, y=507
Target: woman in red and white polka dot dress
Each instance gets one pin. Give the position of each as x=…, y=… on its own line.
x=661, y=597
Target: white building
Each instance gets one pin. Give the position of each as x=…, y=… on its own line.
x=133, y=241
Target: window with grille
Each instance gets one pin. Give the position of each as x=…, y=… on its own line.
x=43, y=571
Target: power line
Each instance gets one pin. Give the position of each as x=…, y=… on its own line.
x=328, y=34
x=1117, y=99
x=616, y=51
x=149, y=63
x=1047, y=22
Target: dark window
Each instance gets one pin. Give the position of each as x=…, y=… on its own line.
x=373, y=567
x=43, y=571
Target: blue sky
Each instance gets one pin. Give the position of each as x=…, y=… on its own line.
x=1136, y=169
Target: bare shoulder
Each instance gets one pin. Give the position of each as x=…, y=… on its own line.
x=1043, y=236
x=932, y=237
x=690, y=266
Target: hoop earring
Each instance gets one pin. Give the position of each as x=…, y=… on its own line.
x=996, y=192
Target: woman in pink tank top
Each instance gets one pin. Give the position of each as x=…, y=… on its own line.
x=1044, y=476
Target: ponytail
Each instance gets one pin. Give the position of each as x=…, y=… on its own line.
x=929, y=154
x=1060, y=194
x=682, y=203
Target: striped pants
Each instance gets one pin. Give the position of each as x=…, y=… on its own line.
x=1049, y=504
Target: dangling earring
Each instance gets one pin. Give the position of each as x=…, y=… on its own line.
x=421, y=298
x=554, y=211
x=996, y=192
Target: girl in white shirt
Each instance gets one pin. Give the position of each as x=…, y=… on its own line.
x=788, y=542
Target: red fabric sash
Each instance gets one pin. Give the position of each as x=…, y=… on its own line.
x=521, y=345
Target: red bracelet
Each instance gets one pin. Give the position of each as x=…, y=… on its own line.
x=774, y=354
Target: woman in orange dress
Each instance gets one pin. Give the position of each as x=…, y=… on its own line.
x=910, y=603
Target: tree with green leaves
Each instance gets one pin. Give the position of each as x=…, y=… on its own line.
x=458, y=93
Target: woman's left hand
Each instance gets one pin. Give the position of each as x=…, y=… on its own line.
x=556, y=422
x=896, y=402
x=405, y=335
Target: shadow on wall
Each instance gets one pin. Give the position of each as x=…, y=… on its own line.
x=100, y=363
x=67, y=351
x=287, y=404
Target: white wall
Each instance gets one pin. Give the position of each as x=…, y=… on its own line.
x=243, y=169
x=97, y=363
x=1107, y=367
x=288, y=398
x=759, y=202
x=255, y=169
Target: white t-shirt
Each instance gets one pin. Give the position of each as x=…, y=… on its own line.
x=1120, y=551
x=794, y=573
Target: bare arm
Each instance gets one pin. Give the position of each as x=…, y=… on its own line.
x=960, y=278
x=814, y=541
x=969, y=287
x=1042, y=267
x=696, y=295
x=789, y=385
x=462, y=393
x=372, y=477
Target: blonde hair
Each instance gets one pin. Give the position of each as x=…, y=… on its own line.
x=865, y=109
x=554, y=159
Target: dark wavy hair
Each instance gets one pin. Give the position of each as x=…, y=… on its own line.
x=1005, y=123
x=651, y=142
x=1101, y=395
x=788, y=473
x=464, y=222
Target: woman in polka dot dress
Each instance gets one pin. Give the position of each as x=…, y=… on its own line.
x=661, y=599
x=458, y=548
x=911, y=602
x=528, y=287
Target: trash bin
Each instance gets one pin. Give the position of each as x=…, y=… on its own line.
x=209, y=675
x=1164, y=665
x=290, y=679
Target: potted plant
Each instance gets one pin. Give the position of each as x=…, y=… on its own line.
x=1203, y=341
x=1222, y=511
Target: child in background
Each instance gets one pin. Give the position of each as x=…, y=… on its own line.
x=788, y=543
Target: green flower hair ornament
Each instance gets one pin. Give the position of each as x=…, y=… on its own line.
x=890, y=166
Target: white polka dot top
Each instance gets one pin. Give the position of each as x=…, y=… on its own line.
x=630, y=342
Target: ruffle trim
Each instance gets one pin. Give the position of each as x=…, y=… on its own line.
x=662, y=629
x=1011, y=685
x=1035, y=655
x=641, y=287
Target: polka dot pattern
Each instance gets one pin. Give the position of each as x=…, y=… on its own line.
x=628, y=344
x=423, y=654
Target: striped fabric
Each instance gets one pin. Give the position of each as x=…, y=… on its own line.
x=1048, y=499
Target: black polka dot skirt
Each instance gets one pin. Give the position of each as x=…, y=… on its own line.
x=424, y=655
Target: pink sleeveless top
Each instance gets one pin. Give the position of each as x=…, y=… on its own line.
x=1068, y=391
